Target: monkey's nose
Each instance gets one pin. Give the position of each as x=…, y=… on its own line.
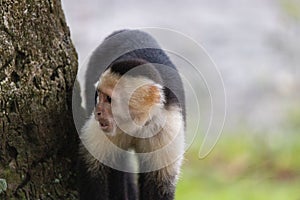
x=99, y=113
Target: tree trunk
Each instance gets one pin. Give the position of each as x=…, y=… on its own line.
x=38, y=65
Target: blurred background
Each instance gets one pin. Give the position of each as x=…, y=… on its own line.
x=256, y=46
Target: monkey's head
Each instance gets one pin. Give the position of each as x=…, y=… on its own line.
x=129, y=94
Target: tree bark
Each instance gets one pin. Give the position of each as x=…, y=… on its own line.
x=38, y=65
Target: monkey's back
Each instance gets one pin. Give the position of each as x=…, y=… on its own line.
x=128, y=45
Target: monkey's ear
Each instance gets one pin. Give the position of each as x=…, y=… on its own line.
x=146, y=101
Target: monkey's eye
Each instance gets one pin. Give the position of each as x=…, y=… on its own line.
x=96, y=97
x=108, y=98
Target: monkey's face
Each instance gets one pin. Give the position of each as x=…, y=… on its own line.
x=103, y=108
x=126, y=103
x=103, y=112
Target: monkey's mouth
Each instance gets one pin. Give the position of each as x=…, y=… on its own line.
x=104, y=125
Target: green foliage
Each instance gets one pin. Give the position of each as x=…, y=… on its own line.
x=293, y=119
x=254, y=166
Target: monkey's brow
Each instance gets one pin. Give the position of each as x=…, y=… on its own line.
x=100, y=91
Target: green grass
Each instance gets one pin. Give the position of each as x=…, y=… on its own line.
x=244, y=166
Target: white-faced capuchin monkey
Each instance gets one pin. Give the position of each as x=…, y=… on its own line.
x=138, y=105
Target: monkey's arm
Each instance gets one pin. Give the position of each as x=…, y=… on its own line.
x=153, y=187
x=92, y=183
x=96, y=180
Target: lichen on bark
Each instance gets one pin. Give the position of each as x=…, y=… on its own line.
x=38, y=65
